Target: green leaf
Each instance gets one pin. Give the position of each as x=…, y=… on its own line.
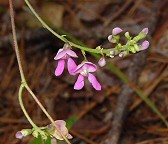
x=40, y=141
x=37, y=140
x=48, y=141
x=71, y=121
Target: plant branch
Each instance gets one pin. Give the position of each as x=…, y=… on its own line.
x=97, y=51
x=24, y=84
x=15, y=41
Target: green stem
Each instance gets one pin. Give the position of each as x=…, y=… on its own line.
x=23, y=108
x=15, y=41
x=97, y=51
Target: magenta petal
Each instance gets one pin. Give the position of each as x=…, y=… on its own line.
x=94, y=81
x=60, y=67
x=71, y=53
x=79, y=83
x=90, y=67
x=79, y=68
x=116, y=31
x=61, y=53
x=71, y=66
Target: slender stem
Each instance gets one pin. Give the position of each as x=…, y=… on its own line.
x=15, y=41
x=23, y=108
x=46, y=113
x=98, y=51
x=24, y=84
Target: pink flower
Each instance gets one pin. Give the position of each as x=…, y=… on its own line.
x=102, y=62
x=85, y=69
x=62, y=56
x=62, y=127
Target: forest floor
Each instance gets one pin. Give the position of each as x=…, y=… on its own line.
x=90, y=22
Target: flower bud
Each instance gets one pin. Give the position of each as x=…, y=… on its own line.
x=127, y=35
x=144, y=45
x=110, y=38
x=19, y=135
x=123, y=54
x=102, y=62
x=116, y=31
x=23, y=133
x=145, y=30
x=112, y=52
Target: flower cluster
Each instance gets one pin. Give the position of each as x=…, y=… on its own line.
x=49, y=130
x=86, y=68
x=132, y=44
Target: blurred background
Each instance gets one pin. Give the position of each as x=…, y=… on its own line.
x=88, y=22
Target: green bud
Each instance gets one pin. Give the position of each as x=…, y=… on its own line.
x=127, y=35
x=136, y=47
x=26, y=132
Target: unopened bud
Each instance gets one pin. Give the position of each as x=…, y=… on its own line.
x=102, y=62
x=123, y=54
x=110, y=38
x=116, y=31
x=144, y=45
x=145, y=30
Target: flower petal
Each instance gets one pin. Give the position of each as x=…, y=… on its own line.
x=90, y=67
x=94, y=81
x=71, y=66
x=110, y=38
x=70, y=136
x=144, y=45
x=60, y=67
x=116, y=31
x=62, y=127
x=71, y=53
x=61, y=53
x=79, y=68
x=19, y=135
x=79, y=83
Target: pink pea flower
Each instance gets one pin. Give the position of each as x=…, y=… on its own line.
x=62, y=127
x=62, y=56
x=86, y=69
